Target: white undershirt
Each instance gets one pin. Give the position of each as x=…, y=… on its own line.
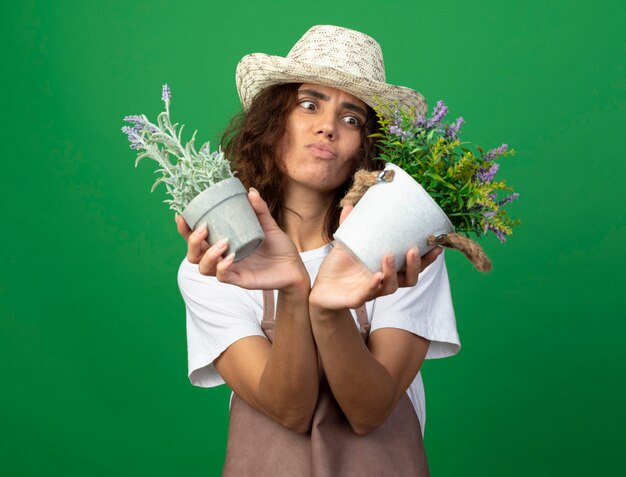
x=219, y=314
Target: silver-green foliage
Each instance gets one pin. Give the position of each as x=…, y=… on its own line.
x=184, y=171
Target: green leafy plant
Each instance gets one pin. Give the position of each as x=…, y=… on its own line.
x=190, y=172
x=461, y=180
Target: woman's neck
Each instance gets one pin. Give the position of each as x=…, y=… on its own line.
x=304, y=215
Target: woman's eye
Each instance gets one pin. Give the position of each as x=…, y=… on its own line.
x=310, y=105
x=352, y=121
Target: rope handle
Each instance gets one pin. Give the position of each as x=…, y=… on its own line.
x=466, y=246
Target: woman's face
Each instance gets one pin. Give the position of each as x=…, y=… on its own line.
x=322, y=137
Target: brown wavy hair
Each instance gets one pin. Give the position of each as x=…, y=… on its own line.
x=253, y=140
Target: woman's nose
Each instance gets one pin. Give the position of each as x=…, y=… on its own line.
x=326, y=126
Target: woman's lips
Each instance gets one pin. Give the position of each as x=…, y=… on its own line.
x=322, y=150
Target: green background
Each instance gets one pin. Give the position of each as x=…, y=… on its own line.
x=92, y=333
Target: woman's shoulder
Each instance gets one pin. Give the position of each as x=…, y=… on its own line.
x=425, y=309
x=432, y=282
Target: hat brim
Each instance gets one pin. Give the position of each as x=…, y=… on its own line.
x=258, y=71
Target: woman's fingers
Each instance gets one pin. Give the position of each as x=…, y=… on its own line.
x=222, y=269
x=210, y=258
x=376, y=283
x=196, y=241
x=183, y=228
x=408, y=277
x=187, y=233
x=198, y=250
x=195, y=249
x=416, y=265
x=430, y=257
x=390, y=276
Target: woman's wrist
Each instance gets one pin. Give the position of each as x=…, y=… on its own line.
x=319, y=309
x=326, y=300
x=300, y=286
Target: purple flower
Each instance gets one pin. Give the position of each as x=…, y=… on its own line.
x=438, y=114
x=508, y=199
x=398, y=131
x=497, y=152
x=134, y=136
x=167, y=94
x=420, y=122
x=487, y=214
x=487, y=175
x=396, y=127
x=140, y=124
x=134, y=118
x=499, y=233
x=453, y=129
x=128, y=130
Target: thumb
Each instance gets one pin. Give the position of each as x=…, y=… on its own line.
x=261, y=209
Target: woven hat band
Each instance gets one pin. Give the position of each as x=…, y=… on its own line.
x=350, y=51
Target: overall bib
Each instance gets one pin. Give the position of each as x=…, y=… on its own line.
x=260, y=447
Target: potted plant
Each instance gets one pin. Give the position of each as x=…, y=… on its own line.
x=201, y=184
x=446, y=192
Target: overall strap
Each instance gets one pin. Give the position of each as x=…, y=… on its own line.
x=361, y=316
x=267, y=324
x=268, y=306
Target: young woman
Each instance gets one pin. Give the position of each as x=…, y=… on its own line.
x=323, y=357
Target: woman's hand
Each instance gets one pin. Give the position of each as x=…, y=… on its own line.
x=274, y=265
x=343, y=282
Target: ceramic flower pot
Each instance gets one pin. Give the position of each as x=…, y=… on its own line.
x=392, y=217
x=225, y=210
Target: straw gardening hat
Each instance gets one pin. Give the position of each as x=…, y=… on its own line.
x=331, y=56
